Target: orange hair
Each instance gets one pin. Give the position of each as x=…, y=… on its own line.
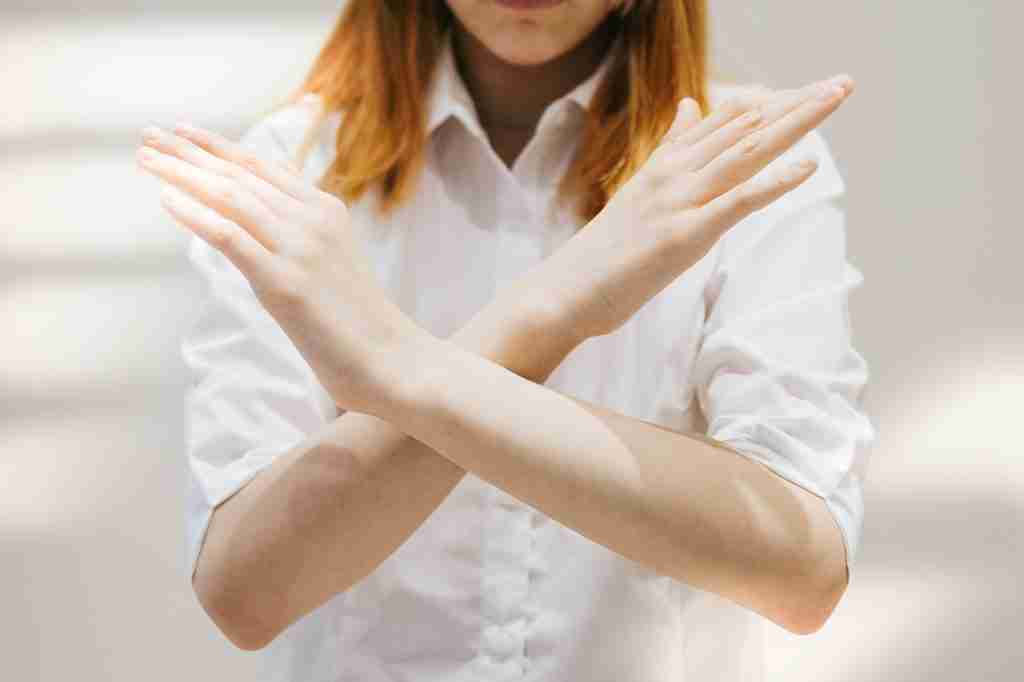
x=377, y=63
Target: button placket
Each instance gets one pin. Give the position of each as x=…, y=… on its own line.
x=518, y=248
x=494, y=669
x=510, y=560
x=506, y=640
x=507, y=567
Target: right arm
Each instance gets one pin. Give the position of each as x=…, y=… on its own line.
x=288, y=502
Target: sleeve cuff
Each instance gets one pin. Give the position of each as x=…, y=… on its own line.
x=207, y=487
x=844, y=502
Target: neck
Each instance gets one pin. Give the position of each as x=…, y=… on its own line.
x=513, y=96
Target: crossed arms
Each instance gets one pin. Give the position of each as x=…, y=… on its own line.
x=324, y=514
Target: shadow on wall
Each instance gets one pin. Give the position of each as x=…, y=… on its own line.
x=930, y=535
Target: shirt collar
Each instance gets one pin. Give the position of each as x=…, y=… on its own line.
x=449, y=96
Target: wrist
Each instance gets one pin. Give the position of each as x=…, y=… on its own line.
x=521, y=330
x=407, y=370
x=549, y=324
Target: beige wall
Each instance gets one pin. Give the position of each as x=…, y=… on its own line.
x=95, y=288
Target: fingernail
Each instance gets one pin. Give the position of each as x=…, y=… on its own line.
x=151, y=133
x=168, y=196
x=828, y=89
x=183, y=128
x=840, y=78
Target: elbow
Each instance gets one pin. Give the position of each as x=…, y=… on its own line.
x=810, y=607
x=250, y=644
x=243, y=628
x=246, y=636
x=824, y=576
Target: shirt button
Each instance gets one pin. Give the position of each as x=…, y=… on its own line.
x=537, y=563
x=502, y=642
x=506, y=669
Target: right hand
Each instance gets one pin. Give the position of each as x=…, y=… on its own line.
x=694, y=186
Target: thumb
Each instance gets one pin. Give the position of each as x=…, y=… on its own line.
x=689, y=112
x=687, y=115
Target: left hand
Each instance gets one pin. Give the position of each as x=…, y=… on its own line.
x=294, y=244
x=698, y=182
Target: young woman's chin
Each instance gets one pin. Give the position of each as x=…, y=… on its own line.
x=530, y=32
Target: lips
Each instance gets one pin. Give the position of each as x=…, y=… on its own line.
x=528, y=4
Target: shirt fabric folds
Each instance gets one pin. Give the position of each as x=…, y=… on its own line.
x=751, y=346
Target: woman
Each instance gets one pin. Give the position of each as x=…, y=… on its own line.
x=446, y=425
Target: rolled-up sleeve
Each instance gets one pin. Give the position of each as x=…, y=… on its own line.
x=250, y=395
x=776, y=372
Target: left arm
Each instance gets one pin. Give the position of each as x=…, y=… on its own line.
x=773, y=526
x=678, y=503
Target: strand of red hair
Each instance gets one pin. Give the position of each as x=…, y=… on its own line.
x=376, y=65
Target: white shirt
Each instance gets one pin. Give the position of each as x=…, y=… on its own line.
x=751, y=345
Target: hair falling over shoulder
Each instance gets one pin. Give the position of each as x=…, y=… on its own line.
x=376, y=66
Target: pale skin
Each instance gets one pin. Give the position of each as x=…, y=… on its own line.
x=423, y=411
x=516, y=62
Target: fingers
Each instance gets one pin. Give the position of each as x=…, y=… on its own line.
x=250, y=177
x=247, y=254
x=283, y=176
x=761, y=113
x=730, y=109
x=718, y=215
x=756, y=150
x=217, y=192
x=691, y=115
x=687, y=115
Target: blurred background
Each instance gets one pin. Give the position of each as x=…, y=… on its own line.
x=95, y=288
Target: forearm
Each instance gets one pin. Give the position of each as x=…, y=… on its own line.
x=323, y=515
x=681, y=504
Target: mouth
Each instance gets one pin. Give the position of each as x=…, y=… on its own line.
x=528, y=4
